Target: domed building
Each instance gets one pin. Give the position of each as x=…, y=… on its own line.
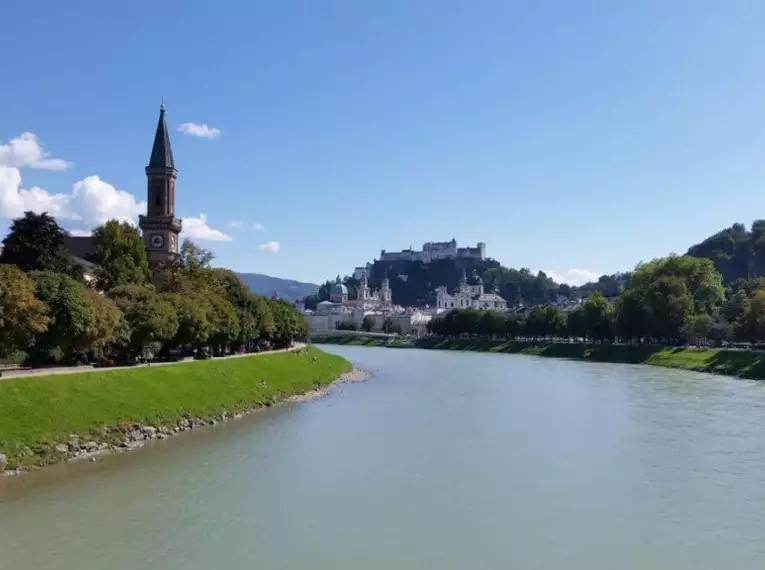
x=339, y=292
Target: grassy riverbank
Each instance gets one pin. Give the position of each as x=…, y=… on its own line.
x=744, y=364
x=37, y=413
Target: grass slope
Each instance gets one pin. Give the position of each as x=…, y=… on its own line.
x=744, y=364
x=36, y=413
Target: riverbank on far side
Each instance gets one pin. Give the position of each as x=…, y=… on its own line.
x=49, y=419
x=740, y=363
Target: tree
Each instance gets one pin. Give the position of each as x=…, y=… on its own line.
x=632, y=316
x=120, y=254
x=514, y=325
x=598, y=317
x=194, y=258
x=466, y=321
x=22, y=315
x=107, y=323
x=263, y=317
x=289, y=324
x=193, y=323
x=752, y=324
x=490, y=324
x=74, y=319
x=368, y=324
x=150, y=320
x=36, y=243
x=576, y=323
x=699, y=327
x=224, y=322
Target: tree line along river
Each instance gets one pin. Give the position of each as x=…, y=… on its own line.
x=442, y=460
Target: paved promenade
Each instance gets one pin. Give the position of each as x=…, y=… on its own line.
x=31, y=372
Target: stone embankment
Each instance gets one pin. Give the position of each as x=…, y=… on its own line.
x=134, y=435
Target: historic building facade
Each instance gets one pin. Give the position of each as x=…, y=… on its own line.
x=469, y=294
x=160, y=227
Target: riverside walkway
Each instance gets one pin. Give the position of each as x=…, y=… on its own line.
x=32, y=372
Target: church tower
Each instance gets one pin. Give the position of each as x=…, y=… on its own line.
x=160, y=227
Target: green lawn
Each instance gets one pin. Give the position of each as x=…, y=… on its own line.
x=37, y=412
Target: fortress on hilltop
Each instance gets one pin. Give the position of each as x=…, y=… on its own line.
x=431, y=251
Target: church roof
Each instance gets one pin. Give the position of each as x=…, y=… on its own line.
x=161, y=152
x=79, y=246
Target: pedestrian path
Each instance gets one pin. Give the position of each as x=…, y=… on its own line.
x=29, y=373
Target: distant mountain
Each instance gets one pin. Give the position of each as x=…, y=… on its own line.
x=287, y=289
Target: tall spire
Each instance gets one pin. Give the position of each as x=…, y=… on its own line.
x=161, y=152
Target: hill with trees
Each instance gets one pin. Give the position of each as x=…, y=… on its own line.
x=287, y=289
x=736, y=252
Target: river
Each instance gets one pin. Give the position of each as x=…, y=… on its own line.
x=443, y=460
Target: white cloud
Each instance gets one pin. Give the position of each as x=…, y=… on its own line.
x=573, y=276
x=199, y=130
x=26, y=150
x=197, y=228
x=258, y=227
x=80, y=233
x=91, y=202
x=271, y=246
x=236, y=224
x=95, y=201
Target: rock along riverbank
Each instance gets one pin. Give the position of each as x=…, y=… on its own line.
x=205, y=394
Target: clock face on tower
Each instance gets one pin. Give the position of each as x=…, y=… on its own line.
x=157, y=241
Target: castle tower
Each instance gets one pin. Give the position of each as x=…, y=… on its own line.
x=160, y=227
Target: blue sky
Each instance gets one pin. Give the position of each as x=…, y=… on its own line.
x=572, y=137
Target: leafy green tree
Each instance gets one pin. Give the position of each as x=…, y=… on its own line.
x=120, y=255
x=368, y=323
x=35, y=242
x=466, y=321
x=576, y=323
x=490, y=324
x=514, y=325
x=263, y=317
x=632, y=318
x=289, y=324
x=74, y=319
x=752, y=325
x=699, y=277
x=224, y=321
x=22, y=315
x=699, y=327
x=193, y=324
x=107, y=324
x=598, y=317
x=150, y=320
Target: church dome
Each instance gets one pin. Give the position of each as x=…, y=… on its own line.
x=339, y=289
